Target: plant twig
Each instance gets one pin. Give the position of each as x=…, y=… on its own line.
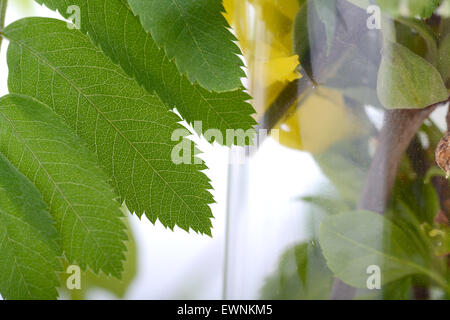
x=399, y=129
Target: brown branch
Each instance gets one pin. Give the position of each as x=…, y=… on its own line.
x=399, y=129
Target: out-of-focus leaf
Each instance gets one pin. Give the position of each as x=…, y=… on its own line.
x=302, y=45
x=353, y=241
x=421, y=198
x=444, y=60
x=409, y=8
x=444, y=9
x=320, y=55
x=406, y=8
x=433, y=133
x=407, y=81
x=326, y=9
x=302, y=274
x=395, y=290
x=413, y=203
x=330, y=205
x=419, y=37
x=346, y=164
x=356, y=77
x=23, y=5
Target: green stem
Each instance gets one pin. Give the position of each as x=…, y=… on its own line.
x=3, y=5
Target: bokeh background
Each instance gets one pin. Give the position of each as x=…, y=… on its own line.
x=258, y=215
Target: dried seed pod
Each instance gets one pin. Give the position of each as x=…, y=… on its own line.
x=443, y=153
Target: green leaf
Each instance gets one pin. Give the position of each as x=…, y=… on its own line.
x=29, y=243
x=421, y=198
x=113, y=27
x=407, y=81
x=405, y=8
x=302, y=42
x=353, y=241
x=423, y=31
x=130, y=130
x=345, y=164
x=329, y=204
x=195, y=33
x=327, y=12
x=396, y=290
x=302, y=274
x=409, y=8
x=444, y=59
x=118, y=287
x=46, y=150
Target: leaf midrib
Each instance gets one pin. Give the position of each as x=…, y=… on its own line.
x=19, y=136
x=400, y=261
x=17, y=265
x=195, y=40
x=80, y=91
x=8, y=239
x=134, y=73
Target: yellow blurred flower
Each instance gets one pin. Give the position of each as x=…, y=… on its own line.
x=264, y=29
x=322, y=120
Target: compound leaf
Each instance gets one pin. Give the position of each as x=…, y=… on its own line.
x=195, y=33
x=118, y=32
x=129, y=130
x=47, y=151
x=29, y=243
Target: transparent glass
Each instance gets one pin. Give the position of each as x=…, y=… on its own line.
x=344, y=200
